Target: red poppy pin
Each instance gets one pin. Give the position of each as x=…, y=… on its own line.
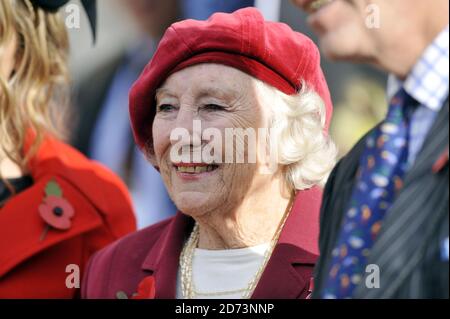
x=441, y=161
x=146, y=290
x=55, y=210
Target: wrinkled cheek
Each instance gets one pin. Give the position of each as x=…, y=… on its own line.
x=161, y=139
x=166, y=175
x=161, y=148
x=240, y=137
x=238, y=181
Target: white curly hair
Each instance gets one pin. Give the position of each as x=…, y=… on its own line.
x=303, y=146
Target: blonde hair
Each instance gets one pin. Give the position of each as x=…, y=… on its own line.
x=40, y=80
x=305, y=150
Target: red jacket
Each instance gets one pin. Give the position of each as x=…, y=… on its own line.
x=102, y=212
x=155, y=251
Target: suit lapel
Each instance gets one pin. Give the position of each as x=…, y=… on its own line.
x=435, y=144
x=412, y=218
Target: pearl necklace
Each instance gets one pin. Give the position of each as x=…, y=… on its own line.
x=187, y=256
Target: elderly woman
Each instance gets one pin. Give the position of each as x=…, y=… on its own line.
x=243, y=230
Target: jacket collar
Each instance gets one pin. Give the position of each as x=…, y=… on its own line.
x=297, y=246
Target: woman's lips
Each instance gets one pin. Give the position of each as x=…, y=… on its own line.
x=304, y=4
x=194, y=170
x=317, y=5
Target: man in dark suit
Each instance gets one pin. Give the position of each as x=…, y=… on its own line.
x=385, y=219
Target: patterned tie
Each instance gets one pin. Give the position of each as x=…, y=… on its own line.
x=379, y=178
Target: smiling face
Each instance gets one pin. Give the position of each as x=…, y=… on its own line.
x=218, y=97
x=369, y=30
x=340, y=25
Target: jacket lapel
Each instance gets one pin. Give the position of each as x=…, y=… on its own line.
x=163, y=259
x=412, y=218
x=289, y=271
x=435, y=145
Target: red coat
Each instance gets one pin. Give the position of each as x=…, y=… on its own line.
x=34, y=268
x=155, y=251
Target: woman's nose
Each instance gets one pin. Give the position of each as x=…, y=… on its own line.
x=188, y=123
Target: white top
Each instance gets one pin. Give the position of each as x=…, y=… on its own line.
x=224, y=270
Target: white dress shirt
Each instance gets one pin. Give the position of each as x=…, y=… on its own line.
x=428, y=84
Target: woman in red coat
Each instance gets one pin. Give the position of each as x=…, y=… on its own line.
x=56, y=207
x=247, y=225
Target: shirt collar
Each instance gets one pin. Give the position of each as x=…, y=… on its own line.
x=428, y=80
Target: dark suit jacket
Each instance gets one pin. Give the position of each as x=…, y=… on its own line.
x=89, y=98
x=155, y=251
x=407, y=250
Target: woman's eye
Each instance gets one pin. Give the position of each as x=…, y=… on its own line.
x=214, y=107
x=166, y=108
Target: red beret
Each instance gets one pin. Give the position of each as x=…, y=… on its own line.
x=269, y=51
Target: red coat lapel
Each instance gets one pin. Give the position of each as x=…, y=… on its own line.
x=288, y=273
x=163, y=259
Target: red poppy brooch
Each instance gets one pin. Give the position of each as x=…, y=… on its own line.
x=441, y=162
x=146, y=290
x=55, y=210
